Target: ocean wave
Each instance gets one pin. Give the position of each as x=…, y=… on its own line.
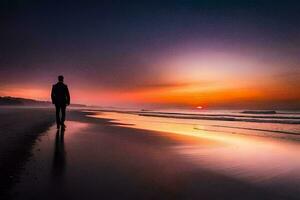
x=274, y=119
x=262, y=112
x=223, y=115
x=279, y=118
x=257, y=129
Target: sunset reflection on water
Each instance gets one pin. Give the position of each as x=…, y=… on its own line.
x=261, y=160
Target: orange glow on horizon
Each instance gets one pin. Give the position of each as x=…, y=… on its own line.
x=208, y=80
x=188, y=95
x=30, y=93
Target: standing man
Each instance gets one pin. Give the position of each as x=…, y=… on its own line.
x=61, y=98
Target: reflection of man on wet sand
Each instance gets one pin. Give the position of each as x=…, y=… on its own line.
x=59, y=159
x=61, y=98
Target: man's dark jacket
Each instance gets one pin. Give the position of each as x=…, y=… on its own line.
x=60, y=94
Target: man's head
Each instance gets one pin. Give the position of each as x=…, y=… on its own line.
x=60, y=78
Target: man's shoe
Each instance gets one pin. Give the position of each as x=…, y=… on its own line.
x=63, y=125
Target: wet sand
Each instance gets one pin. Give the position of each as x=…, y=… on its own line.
x=96, y=159
x=19, y=128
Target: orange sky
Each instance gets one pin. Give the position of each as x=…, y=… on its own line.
x=154, y=54
x=211, y=80
x=231, y=91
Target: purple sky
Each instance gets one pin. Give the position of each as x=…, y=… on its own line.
x=117, y=53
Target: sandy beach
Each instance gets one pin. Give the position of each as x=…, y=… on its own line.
x=19, y=129
x=98, y=158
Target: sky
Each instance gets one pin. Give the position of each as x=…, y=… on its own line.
x=154, y=54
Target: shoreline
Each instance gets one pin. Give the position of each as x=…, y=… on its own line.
x=128, y=162
x=153, y=164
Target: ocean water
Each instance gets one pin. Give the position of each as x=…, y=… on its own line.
x=262, y=149
x=285, y=124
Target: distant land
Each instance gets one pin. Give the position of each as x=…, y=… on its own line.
x=16, y=101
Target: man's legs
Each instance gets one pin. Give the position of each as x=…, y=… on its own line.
x=63, y=115
x=58, y=108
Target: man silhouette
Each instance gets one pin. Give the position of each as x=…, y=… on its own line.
x=61, y=98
